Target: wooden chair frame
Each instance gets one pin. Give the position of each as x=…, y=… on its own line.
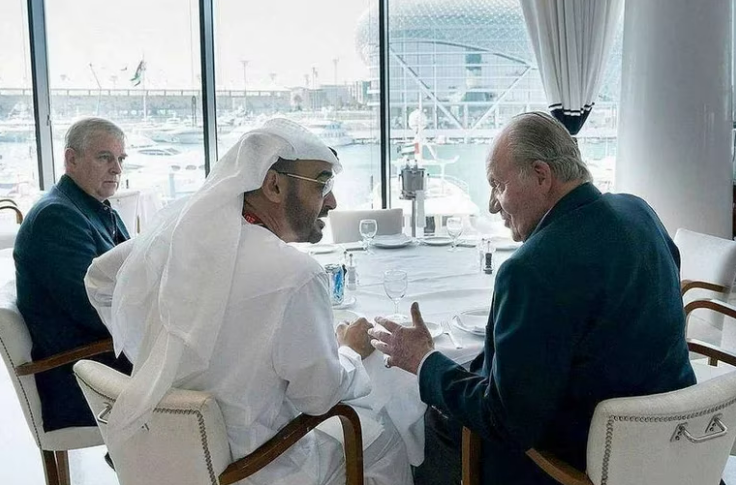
x=561, y=471
x=56, y=463
x=686, y=285
x=292, y=433
x=14, y=208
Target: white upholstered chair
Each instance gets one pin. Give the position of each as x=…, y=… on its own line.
x=720, y=360
x=707, y=271
x=185, y=441
x=15, y=347
x=677, y=438
x=125, y=202
x=345, y=223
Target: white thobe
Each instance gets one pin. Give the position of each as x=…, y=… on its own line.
x=276, y=357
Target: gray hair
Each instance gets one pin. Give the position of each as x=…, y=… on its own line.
x=79, y=135
x=539, y=136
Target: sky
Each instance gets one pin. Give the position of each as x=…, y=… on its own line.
x=281, y=40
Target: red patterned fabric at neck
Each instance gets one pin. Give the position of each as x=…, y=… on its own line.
x=252, y=218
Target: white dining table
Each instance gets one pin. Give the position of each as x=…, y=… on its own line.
x=444, y=284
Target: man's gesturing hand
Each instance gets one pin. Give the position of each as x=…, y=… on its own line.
x=405, y=347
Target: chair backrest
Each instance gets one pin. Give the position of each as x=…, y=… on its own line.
x=677, y=438
x=184, y=443
x=15, y=347
x=125, y=202
x=345, y=223
x=713, y=260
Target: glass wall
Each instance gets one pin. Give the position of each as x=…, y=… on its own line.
x=18, y=162
x=457, y=75
x=301, y=60
x=136, y=63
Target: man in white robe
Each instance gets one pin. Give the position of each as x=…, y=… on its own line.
x=255, y=330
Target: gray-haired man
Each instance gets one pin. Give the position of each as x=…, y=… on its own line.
x=587, y=309
x=64, y=231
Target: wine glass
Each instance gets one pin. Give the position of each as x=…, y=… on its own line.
x=368, y=229
x=395, y=282
x=454, y=229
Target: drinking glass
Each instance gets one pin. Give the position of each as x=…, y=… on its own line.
x=395, y=282
x=454, y=229
x=368, y=229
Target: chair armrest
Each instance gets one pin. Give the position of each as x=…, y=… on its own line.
x=64, y=358
x=559, y=470
x=292, y=433
x=713, y=352
x=18, y=213
x=471, y=451
x=686, y=285
x=717, y=306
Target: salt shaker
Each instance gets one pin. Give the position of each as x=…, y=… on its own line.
x=351, y=273
x=485, y=255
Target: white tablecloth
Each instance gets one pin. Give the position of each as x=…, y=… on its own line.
x=445, y=284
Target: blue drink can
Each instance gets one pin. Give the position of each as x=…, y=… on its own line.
x=337, y=283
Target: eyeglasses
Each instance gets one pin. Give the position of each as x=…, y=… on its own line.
x=326, y=184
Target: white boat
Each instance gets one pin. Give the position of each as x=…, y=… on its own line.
x=445, y=196
x=331, y=132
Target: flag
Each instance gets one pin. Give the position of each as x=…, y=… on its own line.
x=139, y=73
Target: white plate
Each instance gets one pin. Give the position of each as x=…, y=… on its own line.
x=437, y=241
x=394, y=241
x=347, y=302
x=473, y=321
x=467, y=242
x=505, y=244
x=511, y=246
x=435, y=330
x=321, y=248
x=340, y=316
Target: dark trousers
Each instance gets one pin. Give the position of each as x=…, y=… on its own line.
x=442, y=451
x=502, y=463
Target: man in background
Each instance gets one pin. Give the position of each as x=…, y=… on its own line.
x=60, y=236
x=588, y=309
x=212, y=298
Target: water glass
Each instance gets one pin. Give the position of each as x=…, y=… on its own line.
x=454, y=229
x=368, y=229
x=395, y=283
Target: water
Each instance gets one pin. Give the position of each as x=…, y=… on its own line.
x=355, y=187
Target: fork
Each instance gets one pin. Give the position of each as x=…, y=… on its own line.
x=446, y=331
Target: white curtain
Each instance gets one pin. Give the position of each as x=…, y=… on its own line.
x=571, y=41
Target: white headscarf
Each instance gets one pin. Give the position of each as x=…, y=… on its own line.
x=175, y=284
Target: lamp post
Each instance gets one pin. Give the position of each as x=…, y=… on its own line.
x=335, y=61
x=245, y=89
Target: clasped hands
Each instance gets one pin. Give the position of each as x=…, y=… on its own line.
x=403, y=347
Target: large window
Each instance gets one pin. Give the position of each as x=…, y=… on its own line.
x=301, y=60
x=18, y=162
x=457, y=75
x=137, y=64
x=458, y=72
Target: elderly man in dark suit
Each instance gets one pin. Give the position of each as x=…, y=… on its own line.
x=587, y=309
x=59, y=238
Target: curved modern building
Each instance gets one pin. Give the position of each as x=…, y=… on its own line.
x=467, y=64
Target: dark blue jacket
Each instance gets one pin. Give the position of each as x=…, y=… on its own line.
x=56, y=243
x=588, y=309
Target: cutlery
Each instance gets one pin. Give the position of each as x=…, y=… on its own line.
x=446, y=331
